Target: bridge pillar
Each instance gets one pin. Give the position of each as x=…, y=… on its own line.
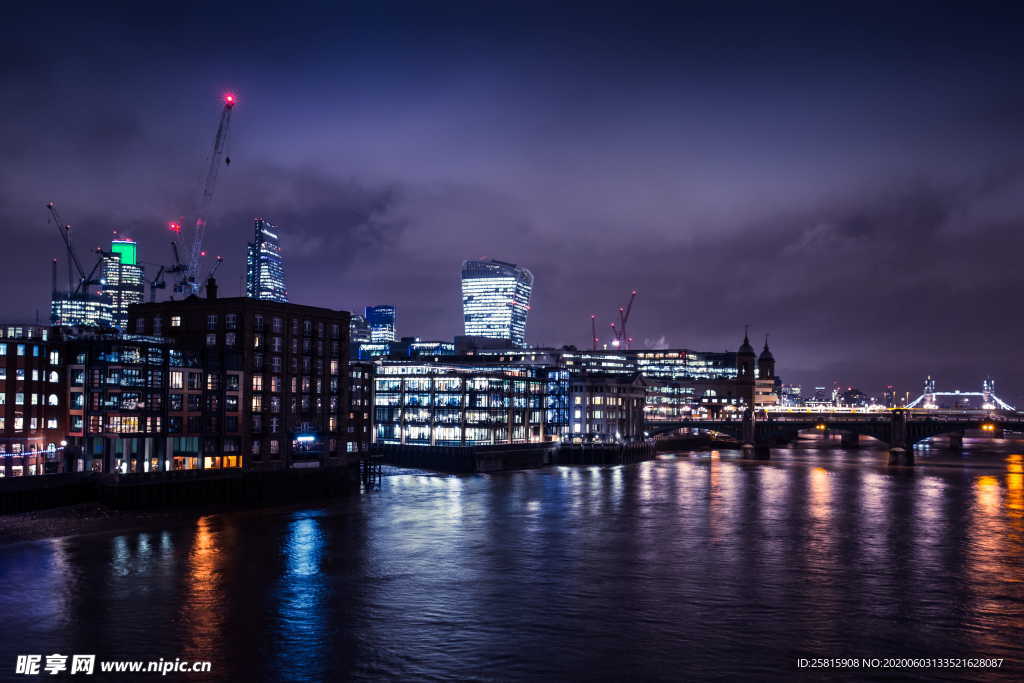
x=850, y=440
x=749, y=428
x=956, y=441
x=901, y=452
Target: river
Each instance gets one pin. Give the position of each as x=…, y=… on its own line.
x=692, y=566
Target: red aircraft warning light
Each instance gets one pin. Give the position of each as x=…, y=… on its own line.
x=230, y=99
x=174, y=227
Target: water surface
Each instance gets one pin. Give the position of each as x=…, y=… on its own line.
x=692, y=566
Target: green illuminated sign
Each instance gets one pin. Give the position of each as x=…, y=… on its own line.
x=125, y=249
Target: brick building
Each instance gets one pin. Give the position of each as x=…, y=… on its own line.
x=32, y=402
x=293, y=360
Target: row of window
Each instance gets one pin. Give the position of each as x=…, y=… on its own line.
x=213, y=321
x=33, y=350
x=21, y=374
x=34, y=423
x=33, y=398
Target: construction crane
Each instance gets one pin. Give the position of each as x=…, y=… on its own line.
x=84, y=281
x=624, y=318
x=593, y=331
x=620, y=337
x=189, y=281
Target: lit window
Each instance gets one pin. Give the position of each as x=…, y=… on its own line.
x=175, y=321
x=211, y=339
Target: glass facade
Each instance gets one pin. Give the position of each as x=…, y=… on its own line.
x=496, y=300
x=264, y=277
x=381, y=320
x=90, y=310
x=446, y=405
x=122, y=280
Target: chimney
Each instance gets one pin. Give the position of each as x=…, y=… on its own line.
x=211, y=289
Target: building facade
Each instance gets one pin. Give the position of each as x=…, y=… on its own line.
x=607, y=408
x=381, y=320
x=437, y=404
x=81, y=308
x=496, y=300
x=33, y=408
x=294, y=364
x=264, y=278
x=122, y=280
x=139, y=404
x=359, y=330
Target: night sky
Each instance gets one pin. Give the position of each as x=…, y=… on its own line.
x=849, y=179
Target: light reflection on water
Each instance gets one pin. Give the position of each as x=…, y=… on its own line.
x=690, y=566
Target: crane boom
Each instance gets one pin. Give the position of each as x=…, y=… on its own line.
x=219, y=145
x=65, y=232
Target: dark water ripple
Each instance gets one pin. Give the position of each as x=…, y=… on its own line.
x=695, y=566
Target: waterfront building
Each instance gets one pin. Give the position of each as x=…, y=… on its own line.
x=381, y=320
x=138, y=403
x=32, y=405
x=359, y=330
x=264, y=278
x=496, y=300
x=295, y=364
x=607, y=408
x=442, y=404
x=359, y=429
x=122, y=279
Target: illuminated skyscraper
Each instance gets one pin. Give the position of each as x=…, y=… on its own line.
x=122, y=279
x=382, y=323
x=93, y=310
x=496, y=300
x=264, y=278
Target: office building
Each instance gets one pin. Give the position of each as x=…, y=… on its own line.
x=358, y=330
x=381, y=320
x=264, y=278
x=441, y=404
x=81, y=309
x=496, y=300
x=139, y=403
x=122, y=280
x=607, y=408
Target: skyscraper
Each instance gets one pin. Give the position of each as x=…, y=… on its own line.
x=122, y=279
x=358, y=330
x=382, y=323
x=264, y=278
x=496, y=300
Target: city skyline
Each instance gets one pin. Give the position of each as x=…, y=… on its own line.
x=779, y=182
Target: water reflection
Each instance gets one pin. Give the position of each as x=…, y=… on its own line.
x=695, y=564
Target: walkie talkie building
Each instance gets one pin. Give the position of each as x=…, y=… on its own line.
x=496, y=300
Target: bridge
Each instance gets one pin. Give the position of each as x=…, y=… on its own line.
x=900, y=429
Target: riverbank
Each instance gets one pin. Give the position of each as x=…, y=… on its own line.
x=88, y=518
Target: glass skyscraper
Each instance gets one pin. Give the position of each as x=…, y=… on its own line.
x=264, y=277
x=382, y=323
x=496, y=300
x=122, y=280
